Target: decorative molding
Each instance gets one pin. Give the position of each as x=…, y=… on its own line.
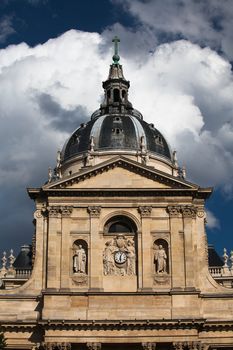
x=38, y=214
x=178, y=346
x=53, y=212
x=173, y=211
x=201, y=213
x=94, y=211
x=56, y=346
x=66, y=211
x=189, y=211
x=145, y=211
x=190, y=346
x=80, y=280
x=57, y=211
x=94, y=346
x=149, y=346
x=129, y=165
x=162, y=280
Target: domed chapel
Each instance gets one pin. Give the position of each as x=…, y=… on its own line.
x=120, y=256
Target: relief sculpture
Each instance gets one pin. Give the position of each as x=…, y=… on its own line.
x=119, y=257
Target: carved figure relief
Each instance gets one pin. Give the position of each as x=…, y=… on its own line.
x=119, y=256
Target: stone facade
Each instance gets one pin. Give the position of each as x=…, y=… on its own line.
x=120, y=262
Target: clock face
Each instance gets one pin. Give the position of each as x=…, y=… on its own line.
x=120, y=257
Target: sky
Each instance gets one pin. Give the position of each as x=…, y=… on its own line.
x=54, y=55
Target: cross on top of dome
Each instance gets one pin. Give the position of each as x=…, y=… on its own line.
x=116, y=57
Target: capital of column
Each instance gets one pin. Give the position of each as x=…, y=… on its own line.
x=145, y=211
x=40, y=212
x=66, y=211
x=173, y=210
x=94, y=211
x=54, y=211
x=94, y=346
x=189, y=211
x=55, y=346
x=149, y=346
x=190, y=346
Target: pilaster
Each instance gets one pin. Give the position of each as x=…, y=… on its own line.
x=189, y=213
x=95, y=249
x=66, y=212
x=177, y=247
x=145, y=212
x=53, y=251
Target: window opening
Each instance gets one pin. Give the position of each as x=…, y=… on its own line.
x=116, y=95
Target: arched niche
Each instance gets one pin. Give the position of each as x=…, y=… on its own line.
x=120, y=249
x=120, y=224
x=161, y=257
x=80, y=257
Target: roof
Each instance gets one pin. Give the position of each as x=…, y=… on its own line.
x=24, y=258
x=213, y=257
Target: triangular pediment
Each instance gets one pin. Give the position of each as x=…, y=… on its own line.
x=120, y=173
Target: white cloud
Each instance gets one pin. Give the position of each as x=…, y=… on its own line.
x=46, y=91
x=185, y=90
x=206, y=22
x=212, y=221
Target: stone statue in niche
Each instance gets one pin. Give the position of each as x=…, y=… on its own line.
x=160, y=258
x=119, y=256
x=79, y=260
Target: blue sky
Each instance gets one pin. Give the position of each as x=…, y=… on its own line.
x=54, y=55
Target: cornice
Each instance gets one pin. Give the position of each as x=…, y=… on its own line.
x=119, y=192
x=152, y=324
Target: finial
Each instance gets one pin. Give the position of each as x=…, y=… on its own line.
x=183, y=170
x=58, y=159
x=92, y=144
x=225, y=257
x=175, y=162
x=116, y=57
x=50, y=174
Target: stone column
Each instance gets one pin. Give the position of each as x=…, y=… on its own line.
x=95, y=250
x=66, y=212
x=94, y=346
x=53, y=251
x=145, y=212
x=189, y=213
x=177, y=248
x=148, y=346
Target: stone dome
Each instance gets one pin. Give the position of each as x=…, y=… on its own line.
x=116, y=125
x=123, y=132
